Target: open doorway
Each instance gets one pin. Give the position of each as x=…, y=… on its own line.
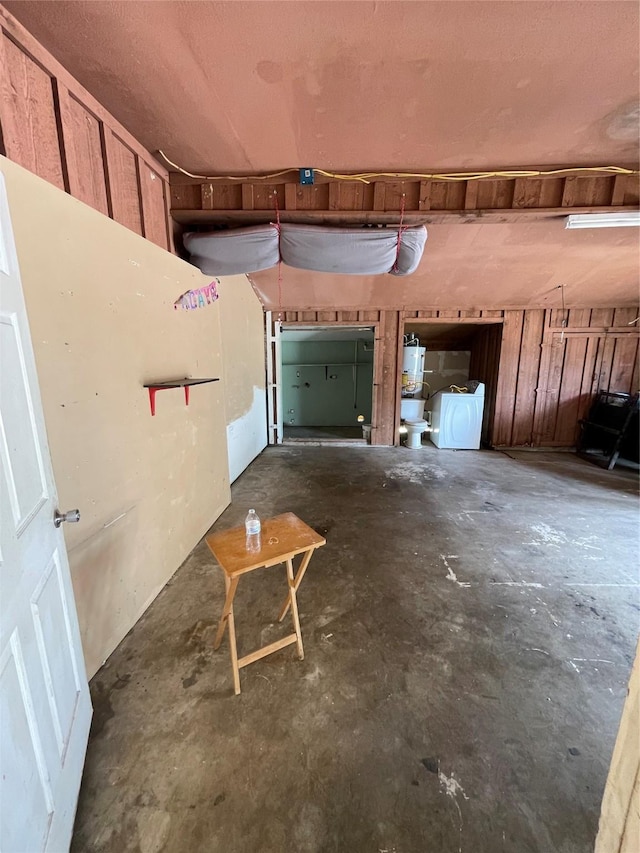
x=326, y=382
x=456, y=355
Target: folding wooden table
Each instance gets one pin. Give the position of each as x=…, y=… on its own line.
x=282, y=538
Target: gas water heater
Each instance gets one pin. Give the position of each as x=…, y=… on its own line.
x=412, y=366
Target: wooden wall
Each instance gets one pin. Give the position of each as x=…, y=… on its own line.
x=53, y=127
x=483, y=365
x=541, y=367
x=338, y=202
x=551, y=365
x=619, y=829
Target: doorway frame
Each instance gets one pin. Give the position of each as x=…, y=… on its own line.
x=409, y=317
x=274, y=325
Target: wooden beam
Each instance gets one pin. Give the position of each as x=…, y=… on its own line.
x=388, y=217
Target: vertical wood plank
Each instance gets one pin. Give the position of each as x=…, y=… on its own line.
x=625, y=353
x=82, y=136
x=153, y=205
x=376, y=393
x=556, y=348
x=589, y=377
x=483, y=365
x=186, y=196
x=507, y=376
x=569, y=392
x=402, y=192
x=623, y=365
x=334, y=195
x=172, y=229
x=123, y=183
x=424, y=202
x=388, y=387
x=290, y=198
x=66, y=140
x=247, y=196
x=525, y=397
x=29, y=124
x=624, y=317
x=551, y=190
x=607, y=350
x=619, y=186
x=579, y=318
x=526, y=192
x=379, y=194
x=471, y=195
x=601, y=317
x=352, y=195
x=635, y=376
x=569, y=192
x=495, y=194
x=206, y=196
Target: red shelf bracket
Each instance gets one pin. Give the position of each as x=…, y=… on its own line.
x=178, y=383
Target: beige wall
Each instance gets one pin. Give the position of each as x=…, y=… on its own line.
x=619, y=830
x=243, y=347
x=99, y=299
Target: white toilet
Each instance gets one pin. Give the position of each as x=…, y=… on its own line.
x=411, y=412
x=412, y=408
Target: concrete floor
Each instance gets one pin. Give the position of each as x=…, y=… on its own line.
x=469, y=632
x=327, y=433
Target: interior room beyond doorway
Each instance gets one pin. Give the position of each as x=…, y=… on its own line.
x=327, y=383
x=457, y=352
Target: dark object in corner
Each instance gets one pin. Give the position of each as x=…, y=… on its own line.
x=610, y=430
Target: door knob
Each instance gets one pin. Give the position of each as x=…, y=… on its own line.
x=72, y=516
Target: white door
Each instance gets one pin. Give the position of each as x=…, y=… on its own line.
x=45, y=708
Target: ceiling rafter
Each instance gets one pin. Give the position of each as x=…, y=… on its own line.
x=386, y=201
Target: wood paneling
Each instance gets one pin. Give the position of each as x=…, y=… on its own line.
x=540, y=376
x=386, y=403
x=52, y=126
x=484, y=365
x=154, y=206
x=588, y=354
x=31, y=130
x=527, y=380
x=507, y=376
x=385, y=200
x=124, y=188
x=82, y=134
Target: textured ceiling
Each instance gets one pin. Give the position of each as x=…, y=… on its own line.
x=253, y=86
x=481, y=266
x=228, y=87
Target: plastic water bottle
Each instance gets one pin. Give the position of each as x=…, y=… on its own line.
x=252, y=530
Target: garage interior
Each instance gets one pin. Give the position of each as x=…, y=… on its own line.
x=469, y=630
x=470, y=680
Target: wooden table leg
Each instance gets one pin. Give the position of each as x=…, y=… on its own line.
x=299, y=575
x=294, y=607
x=227, y=617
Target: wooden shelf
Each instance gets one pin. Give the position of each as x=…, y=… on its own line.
x=173, y=383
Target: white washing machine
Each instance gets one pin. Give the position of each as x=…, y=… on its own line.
x=456, y=419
